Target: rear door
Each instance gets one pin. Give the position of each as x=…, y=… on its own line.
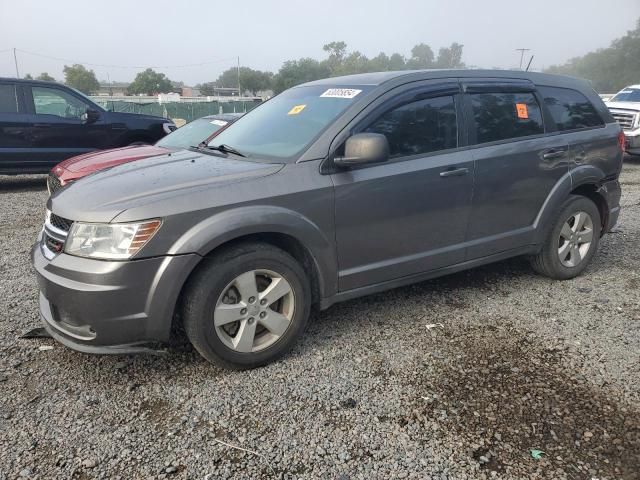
x=516, y=164
x=14, y=129
x=58, y=131
x=408, y=215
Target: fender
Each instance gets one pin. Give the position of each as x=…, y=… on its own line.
x=582, y=175
x=220, y=228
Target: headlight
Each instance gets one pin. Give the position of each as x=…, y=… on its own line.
x=111, y=241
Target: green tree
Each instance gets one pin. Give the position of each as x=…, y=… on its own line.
x=46, y=77
x=609, y=69
x=421, y=57
x=295, y=72
x=337, y=52
x=78, y=77
x=251, y=80
x=207, y=88
x=150, y=82
x=28, y=77
x=450, y=57
x=396, y=62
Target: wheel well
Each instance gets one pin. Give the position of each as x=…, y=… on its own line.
x=285, y=242
x=136, y=138
x=591, y=192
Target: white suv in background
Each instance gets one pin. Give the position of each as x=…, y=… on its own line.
x=625, y=108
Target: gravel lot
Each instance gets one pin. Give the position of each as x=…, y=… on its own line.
x=519, y=363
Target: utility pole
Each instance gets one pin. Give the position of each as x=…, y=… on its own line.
x=239, y=93
x=522, y=50
x=15, y=59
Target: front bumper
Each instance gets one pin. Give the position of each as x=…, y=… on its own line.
x=97, y=306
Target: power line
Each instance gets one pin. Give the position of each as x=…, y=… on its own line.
x=135, y=67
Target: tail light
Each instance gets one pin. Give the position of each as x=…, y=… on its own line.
x=622, y=141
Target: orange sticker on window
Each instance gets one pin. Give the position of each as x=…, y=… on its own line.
x=521, y=108
x=296, y=110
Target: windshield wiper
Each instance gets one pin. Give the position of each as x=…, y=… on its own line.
x=221, y=148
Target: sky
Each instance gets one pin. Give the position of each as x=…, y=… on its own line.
x=195, y=40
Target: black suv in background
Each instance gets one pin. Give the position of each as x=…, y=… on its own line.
x=43, y=123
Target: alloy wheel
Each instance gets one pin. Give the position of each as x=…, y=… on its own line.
x=254, y=311
x=575, y=239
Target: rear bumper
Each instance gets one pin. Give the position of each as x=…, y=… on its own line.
x=99, y=306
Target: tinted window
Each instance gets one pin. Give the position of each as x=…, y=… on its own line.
x=419, y=127
x=570, y=109
x=8, y=99
x=57, y=102
x=499, y=116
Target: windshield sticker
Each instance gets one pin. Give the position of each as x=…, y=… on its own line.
x=296, y=110
x=521, y=108
x=220, y=123
x=341, y=93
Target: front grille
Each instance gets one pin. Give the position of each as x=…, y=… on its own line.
x=60, y=223
x=625, y=119
x=54, y=234
x=53, y=183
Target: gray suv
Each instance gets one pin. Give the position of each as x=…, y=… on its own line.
x=331, y=190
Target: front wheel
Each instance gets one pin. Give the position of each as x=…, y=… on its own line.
x=572, y=242
x=246, y=306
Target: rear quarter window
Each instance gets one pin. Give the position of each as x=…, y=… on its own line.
x=500, y=116
x=570, y=109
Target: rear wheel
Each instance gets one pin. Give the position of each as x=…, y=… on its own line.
x=246, y=306
x=572, y=242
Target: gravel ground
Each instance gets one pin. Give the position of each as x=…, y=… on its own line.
x=519, y=362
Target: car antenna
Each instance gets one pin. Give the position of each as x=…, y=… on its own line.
x=529, y=64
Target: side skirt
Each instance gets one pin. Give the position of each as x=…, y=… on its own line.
x=420, y=277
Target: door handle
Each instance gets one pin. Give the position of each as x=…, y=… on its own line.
x=454, y=172
x=554, y=153
x=42, y=125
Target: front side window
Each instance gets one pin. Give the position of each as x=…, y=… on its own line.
x=285, y=126
x=8, y=99
x=419, y=127
x=500, y=116
x=52, y=101
x=570, y=109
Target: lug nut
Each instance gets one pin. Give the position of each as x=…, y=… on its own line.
x=251, y=320
x=263, y=301
x=252, y=299
x=263, y=314
x=243, y=311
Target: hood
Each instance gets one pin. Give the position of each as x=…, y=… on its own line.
x=104, y=194
x=124, y=116
x=100, y=159
x=635, y=106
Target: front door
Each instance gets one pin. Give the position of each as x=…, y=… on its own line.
x=58, y=131
x=409, y=215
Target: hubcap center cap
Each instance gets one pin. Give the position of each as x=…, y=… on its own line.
x=254, y=310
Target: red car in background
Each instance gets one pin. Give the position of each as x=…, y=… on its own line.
x=189, y=135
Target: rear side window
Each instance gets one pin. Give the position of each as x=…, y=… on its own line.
x=8, y=99
x=419, y=127
x=570, y=109
x=500, y=116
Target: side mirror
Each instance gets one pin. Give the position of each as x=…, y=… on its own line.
x=364, y=148
x=90, y=116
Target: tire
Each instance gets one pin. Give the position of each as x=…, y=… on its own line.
x=215, y=294
x=557, y=259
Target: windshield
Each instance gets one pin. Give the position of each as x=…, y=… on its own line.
x=192, y=134
x=285, y=125
x=627, y=95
